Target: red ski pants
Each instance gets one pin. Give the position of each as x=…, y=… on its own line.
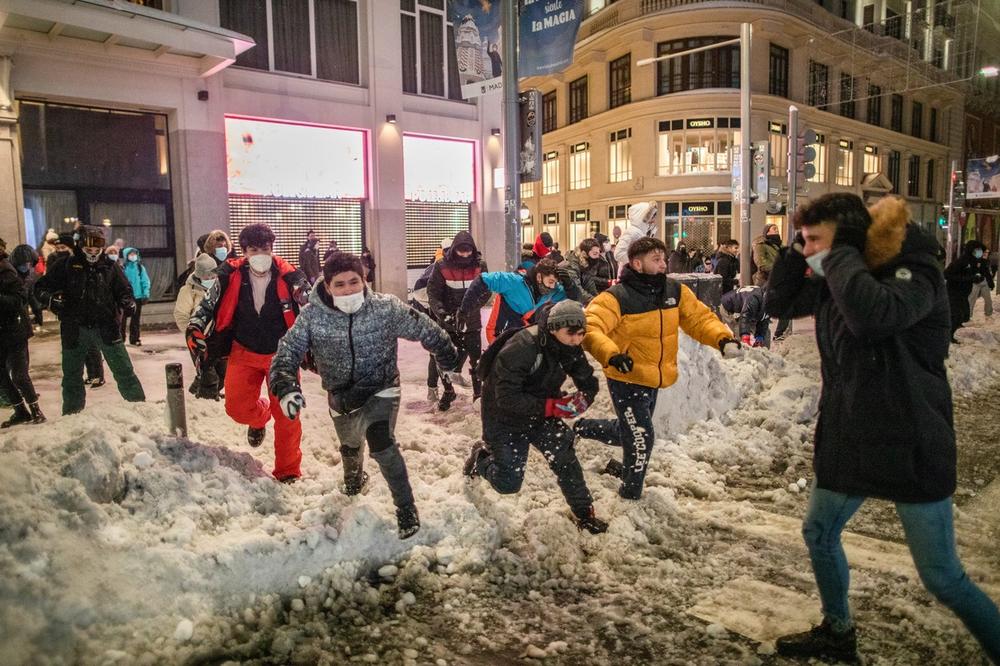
x=247, y=371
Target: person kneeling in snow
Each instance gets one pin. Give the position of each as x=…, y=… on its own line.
x=632, y=330
x=351, y=334
x=871, y=280
x=745, y=307
x=523, y=404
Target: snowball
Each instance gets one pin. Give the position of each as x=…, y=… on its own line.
x=557, y=646
x=388, y=571
x=715, y=630
x=142, y=460
x=793, y=488
x=410, y=653
x=304, y=581
x=533, y=652
x=408, y=598
x=184, y=631
x=802, y=483
x=298, y=605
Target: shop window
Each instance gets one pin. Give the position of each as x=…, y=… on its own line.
x=580, y=228
x=579, y=166
x=550, y=173
x=102, y=167
x=714, y=68
x=429, y=61
x=696, y=145
x=325, y=48
x=620, y=156
x=578, y=100
x=845, y=163
x=620, y=81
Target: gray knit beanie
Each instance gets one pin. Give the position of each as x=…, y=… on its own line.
x=566, y=314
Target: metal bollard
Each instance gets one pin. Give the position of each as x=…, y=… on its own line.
x=176, y=412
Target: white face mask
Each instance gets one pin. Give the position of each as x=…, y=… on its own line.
x=260, y=263
x=607, y=246
x=815, y=262
x=351, y=303
x=208, y=284
x=92, y=258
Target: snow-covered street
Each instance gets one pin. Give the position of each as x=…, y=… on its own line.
x=120, y=544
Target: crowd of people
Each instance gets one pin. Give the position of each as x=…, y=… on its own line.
x=885, y=316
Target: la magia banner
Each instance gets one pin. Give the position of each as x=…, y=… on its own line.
x=547, y=35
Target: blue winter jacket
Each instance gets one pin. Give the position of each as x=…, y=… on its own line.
x=516, y=297
x=136, y=274
x=355, y=354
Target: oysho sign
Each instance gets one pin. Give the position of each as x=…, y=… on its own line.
x=698, y=208
x=700, y=123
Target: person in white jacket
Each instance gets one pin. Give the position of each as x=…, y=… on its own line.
x=208, y=380
x=642, y=222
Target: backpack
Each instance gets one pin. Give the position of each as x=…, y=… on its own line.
x=485, y=365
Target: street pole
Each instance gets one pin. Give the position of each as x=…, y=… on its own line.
x=511, y=138
x=793, y=170
x=949, y=252
x=746, y=36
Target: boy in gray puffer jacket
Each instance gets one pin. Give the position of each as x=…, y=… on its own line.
x=351, y=335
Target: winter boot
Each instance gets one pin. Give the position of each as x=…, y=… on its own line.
x=821, y=642
x=614, y=468
x=355, y=477
x=432, y=394
x=36, y=413
x=255, y=436
x=20, y=415
x=447, y=398
x=590, y=522
x=407, y=521
x=479, y=451
x=477, y=386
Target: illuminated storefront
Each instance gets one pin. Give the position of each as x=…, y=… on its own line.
x=700, y=224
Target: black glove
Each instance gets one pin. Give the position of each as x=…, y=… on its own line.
x=853, y=235
x=798, y=244
x=57, y=303
x=623, y=363
x=977, y=278
x=127, y=307
x=735, y=349
x=449, y=323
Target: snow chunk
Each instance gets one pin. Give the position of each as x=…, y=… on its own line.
x=143, y=460
x=97, y=466
x=388, y=571
x=304, y=581
x=184, y=631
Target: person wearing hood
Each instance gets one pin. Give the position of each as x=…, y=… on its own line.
x=982, y=282
x=199, y=248
x=219, y=246
x=25, y=260
x=351, y=334
x=90, y=294
x=542, y=247
x=677, y=261
x=449, y=281
x=309, y=257
x=728, y=264
x=960, y=276
x=242, y=318
x=518, y=297
x=209, y=376
x=581, y=269
x=633, y=331
x=765, y=253
x=607, y=268
x=885, y=428
x=138, y=278
x=642, y=223
x=524, y=405
x=16, y=387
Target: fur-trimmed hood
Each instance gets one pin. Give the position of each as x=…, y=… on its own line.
x=891, y=234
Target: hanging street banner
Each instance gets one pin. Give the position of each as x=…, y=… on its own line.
x=530, y=106
x=982, y=179
x=478, y=33
x=547, y=35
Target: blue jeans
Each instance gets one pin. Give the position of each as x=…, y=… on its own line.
x=633, y=431
x=930, y=536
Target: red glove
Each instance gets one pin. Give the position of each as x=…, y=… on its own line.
x=747, y=340
x=566, y=407
x=196, y=342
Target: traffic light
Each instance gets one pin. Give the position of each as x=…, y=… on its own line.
x=942, y=218
x=805, y=154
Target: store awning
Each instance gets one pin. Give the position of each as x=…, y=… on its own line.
x=121, y=28
x=876, y=182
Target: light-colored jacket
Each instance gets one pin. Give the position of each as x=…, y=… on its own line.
x=188, y=300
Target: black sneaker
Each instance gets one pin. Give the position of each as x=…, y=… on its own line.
x=97, y=383
x=20, y=415
x=479, y=451
x=590, y=523
x=407, y=521
x=255, y=436
x=447, y=398
x=614, y=468
x=821, y=642
x=356, y=487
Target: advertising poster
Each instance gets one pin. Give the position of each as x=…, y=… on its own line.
x=982, y=179
x=547, y=35
x=478, y=34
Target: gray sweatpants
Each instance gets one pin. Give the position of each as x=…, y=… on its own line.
x=981, y=290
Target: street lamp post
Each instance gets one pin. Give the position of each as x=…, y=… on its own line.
x=511, y=139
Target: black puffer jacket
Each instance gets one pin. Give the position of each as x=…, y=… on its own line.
x=450, y=279
x=522, y=370
x=729, y=268
x=581, y=270
x=15, y=326
x=94, y=296
x=960, y=275
x=885, y=424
